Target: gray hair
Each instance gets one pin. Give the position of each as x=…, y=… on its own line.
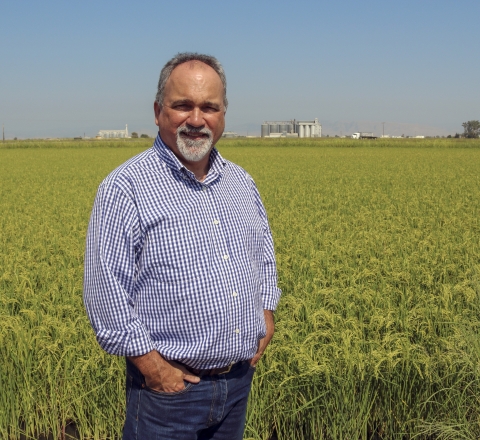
x=184, y=57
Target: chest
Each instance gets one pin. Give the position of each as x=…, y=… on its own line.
x=185, y=226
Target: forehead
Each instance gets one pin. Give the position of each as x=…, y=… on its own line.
x=191, y=66
x=194, y=77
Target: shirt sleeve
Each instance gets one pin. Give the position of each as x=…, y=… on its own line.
x=270, y=292
x=109, y=274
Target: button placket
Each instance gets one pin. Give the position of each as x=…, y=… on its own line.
x=223, y=254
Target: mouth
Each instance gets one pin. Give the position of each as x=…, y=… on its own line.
x=194, y=136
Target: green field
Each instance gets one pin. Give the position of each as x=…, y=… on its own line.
x=378, y=249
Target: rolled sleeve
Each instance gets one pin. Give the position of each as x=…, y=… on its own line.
x=109, y=274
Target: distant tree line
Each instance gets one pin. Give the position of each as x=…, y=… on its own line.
x=471, y=129
x=135, y=135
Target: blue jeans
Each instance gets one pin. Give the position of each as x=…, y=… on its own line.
x=215, y=408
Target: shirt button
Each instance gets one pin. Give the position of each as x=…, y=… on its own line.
x=216, y=222
x=204, y=188
x=235, y=294
x=225, y=257
x=237, y=331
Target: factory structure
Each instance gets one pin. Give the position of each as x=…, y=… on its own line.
x=292, y=128
x=112, y=134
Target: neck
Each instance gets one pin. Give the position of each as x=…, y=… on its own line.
x=199, y=168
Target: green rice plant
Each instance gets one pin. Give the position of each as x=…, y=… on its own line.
x=378, y=251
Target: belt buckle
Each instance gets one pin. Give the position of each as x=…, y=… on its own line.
x=228, y=369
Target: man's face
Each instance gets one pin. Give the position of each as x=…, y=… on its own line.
x=192, y=117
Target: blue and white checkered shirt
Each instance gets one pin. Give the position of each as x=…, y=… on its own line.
x=177, y=265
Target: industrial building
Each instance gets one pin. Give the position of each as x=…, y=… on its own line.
x=230, y=134
x=111, y=134
x=292, y=128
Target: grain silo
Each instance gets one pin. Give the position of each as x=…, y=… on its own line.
x=273, y=127
x=292, y=128
x=265, y=130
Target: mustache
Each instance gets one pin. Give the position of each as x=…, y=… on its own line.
x=194, y=130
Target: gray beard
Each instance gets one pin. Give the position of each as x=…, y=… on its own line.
x=191, y=149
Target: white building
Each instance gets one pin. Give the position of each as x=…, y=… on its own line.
x=309, y=128
x=230, y=134
x=111, y=134
x=292, y=128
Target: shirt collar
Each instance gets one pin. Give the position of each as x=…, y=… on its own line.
x=216, y=165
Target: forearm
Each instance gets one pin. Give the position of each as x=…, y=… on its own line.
x=262, y=344
x=270, y=323
x=149, y=364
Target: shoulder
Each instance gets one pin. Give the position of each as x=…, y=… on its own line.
x=242, y=178
x=122, y=177
x=237, y=172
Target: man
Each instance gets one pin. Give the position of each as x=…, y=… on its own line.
x=180, y=274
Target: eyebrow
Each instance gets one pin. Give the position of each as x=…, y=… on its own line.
x=188, y=102
x=212, y=104
x=181, y=102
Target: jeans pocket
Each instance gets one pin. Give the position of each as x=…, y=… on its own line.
x=188, y=385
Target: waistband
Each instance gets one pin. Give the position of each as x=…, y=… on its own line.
x=213, y=371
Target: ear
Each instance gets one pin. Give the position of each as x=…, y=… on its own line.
x=156, y=110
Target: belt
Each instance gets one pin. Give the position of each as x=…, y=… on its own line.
x=214, y=371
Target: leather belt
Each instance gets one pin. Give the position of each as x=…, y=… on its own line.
x=213, y=371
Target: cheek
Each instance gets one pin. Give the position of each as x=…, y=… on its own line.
x=217, y=124
x=172, y=123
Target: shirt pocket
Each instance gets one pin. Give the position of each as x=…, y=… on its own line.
x=179, y=253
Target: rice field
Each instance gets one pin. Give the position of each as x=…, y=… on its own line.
x=378, y=250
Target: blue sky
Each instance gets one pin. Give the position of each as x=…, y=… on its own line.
x=74, y=67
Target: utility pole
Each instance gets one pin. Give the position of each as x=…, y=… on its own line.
x=383, y=123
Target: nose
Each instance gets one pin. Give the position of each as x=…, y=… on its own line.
x=195, y=119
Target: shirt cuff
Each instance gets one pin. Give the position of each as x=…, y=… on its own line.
x=134, y=341
x=270, y=297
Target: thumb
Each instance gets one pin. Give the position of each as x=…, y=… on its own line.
x=255, y=359
x=191, y=378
